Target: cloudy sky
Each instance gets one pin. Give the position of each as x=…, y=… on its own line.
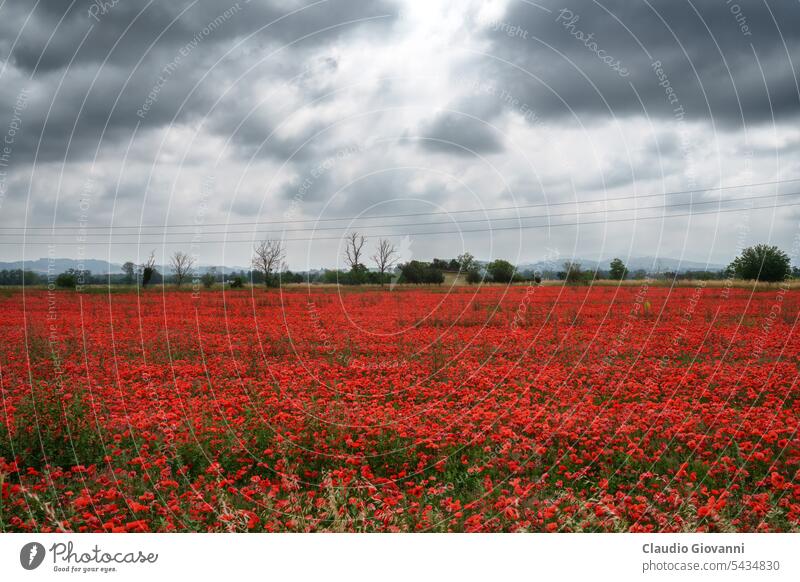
x=510, y=129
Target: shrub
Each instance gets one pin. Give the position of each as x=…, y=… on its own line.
x=357, y=275
x=418, y=273
x=761, y=263
x=208, y=279
x=501, y=271
x=617, y=270
x=572, y=272
x=434, y=276
x=67, y=280
x=474, y=277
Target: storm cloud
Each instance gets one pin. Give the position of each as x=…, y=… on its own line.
x=721, y=61
x=530, y=114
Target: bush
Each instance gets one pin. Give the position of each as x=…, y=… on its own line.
x=332, y=277
x=761, y=263
x=208, y=279
x=417, y=272
x=67, y=280
x=501, y=271
x=357, y=275
x=617, y=270
x=572, y=272
x=474, y=277
x=434, y=277
x=19, y=277
x=289, y=277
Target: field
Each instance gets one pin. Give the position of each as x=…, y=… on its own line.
x=638, y=408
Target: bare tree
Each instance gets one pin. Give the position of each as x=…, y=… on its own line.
x=181, y=265
x=267, y=257
x=354, y=246
x=385, y=257
x=148, y=268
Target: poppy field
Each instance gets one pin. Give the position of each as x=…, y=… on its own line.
x=431, y=409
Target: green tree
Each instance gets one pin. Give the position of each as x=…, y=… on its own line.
x=19, y=277
x=433, y=276
x=474, y=277
x=469, y=266
x=501, y=271
x=441, y=264
x=467, y=263
x=573, y=272
x=761, y=263
x=418, y=272
x=130, y=272
x=357, y=275
x=617, y=269
x=209, y=278
x=67, y=280
x=413, y=272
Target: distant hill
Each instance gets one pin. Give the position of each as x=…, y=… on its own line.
x=101, y=267
x=649, y=264
x=96, y=266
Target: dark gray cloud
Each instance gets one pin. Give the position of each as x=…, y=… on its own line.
x=342, y=105
x=598, y=59
x=123, y=31
x=98, y=74
x=457, y=133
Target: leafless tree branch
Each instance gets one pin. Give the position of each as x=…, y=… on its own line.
x=385, y=257
x=267, y=257
x=354, y=246
x=181, y=263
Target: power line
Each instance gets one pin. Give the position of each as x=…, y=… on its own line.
x=383, y=216
x=463, y=221
x=428, y=233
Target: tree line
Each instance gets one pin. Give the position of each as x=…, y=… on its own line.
x=757, y=263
